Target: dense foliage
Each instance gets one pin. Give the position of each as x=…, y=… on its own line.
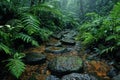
x=105, y=30
x=26, y=26
x=28, y=23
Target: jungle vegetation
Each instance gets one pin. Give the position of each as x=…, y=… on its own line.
x=28, y=23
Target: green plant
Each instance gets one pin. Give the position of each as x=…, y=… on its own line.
x=102, y=33
x=4, y=48
x=30, y=22
x=15, y=65
x=49, y=16
x=32, y=27
x=26, y=38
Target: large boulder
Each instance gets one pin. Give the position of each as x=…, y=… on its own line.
x=35, y=58
x=65, y=64
x=77, y=76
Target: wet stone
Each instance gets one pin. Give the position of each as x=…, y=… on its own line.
x=68, y=41
x=57, y=36
x=113, y=72
x=116, y=77
x=57, y=44
x=66, y=64
x=77, y=76
x=55, y=50
x=70, y=34
x=35, y=58
x=51, y=77
x=117, y=56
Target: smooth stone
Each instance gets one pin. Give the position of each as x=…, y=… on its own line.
x=51, y=77
x=66, y=64
x=35, y=58
x=70, y=34
x=116, y=77
x=57, y=36
x=113, y=72
x=77, y=76
x=68, y=41
x=57, y=44
x=55, y=50
x=117, y=56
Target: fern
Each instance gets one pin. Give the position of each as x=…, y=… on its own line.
x=50, y=17
x=111, y=37
x=115, y=13
x=31, y=25
x=15, y=65
x=88, y=38
x=27, y=38
x=107, y=50
x=44, y=34
x=117, y=29
x=118, y=43
x=3, y=35
x=46, y=8
x=30, y=22
x=5, y=48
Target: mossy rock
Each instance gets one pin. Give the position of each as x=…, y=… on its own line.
x=66, y=64
x=35, y=58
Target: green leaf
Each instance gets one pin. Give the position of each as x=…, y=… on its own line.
x=88, y=38
x=16, y=67
x=26, y=38
x=117, y=29
x=111, y=37
x=30, y=22
x=118, y=43
x=5, y=48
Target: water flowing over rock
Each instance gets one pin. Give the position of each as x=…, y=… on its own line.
x=77, y=76
x=66, y=64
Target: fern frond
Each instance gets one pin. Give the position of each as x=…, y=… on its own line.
x=45, y=33
x=30, y=22
x=106, y=50
x=4, y=48
x=111, y=37
x=16, y=25
x=16, y=67
x=4, y=35
x=118, y=43
x=27, y=38
x=88, y=38
x=117, y=29
x=46, y=8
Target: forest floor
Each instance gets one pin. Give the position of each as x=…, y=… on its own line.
x=99, y=68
